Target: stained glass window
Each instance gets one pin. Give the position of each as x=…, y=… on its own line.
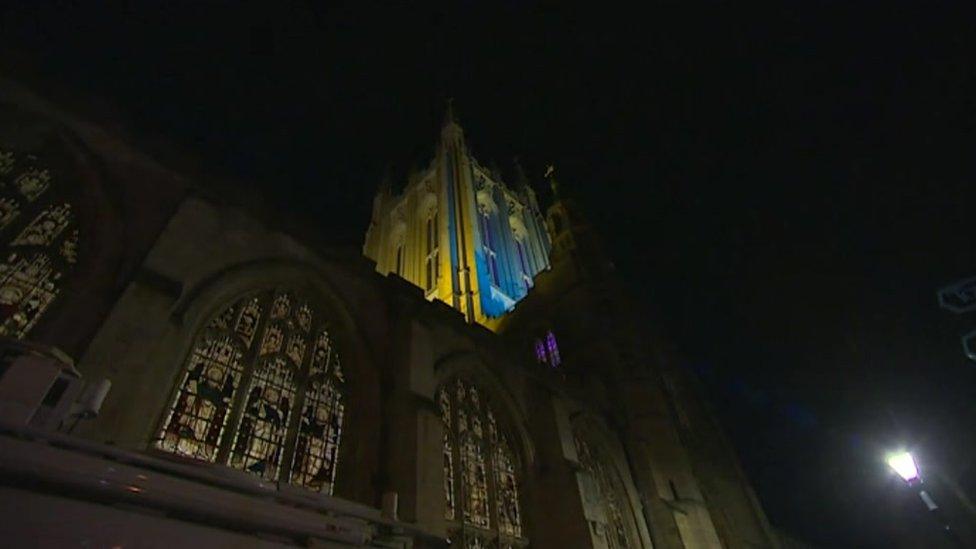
x=320, y=427
x=552, y=350
x=446, y=416
x=604, y=497
x=199, y=415
x=38, y=243
x=540, y=351
x=253, y=367
x=481, y=480
x=547, y=351
x=260, y=439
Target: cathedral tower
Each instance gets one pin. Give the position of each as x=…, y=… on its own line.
x=460, y=233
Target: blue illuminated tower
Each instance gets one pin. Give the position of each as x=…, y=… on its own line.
x=461, y=233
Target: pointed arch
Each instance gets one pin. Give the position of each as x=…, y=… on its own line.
x=485, y=462
x=468, y=363
x=249, y=391
x=605, y=487
x=287, y=418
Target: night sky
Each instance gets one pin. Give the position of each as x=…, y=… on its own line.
x=787, y=188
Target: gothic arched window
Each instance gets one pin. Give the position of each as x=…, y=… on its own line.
x=605, y=502
x=488, y=243
x=262, y=391
x=481, y=478
x=39, y=243
x=547, y=350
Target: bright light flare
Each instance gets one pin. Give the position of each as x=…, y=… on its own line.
x=904, y=464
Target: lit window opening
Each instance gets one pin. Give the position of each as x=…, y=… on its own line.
x=264, y=360
x=547, y=351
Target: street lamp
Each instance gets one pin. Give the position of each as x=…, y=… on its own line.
x=904, y=464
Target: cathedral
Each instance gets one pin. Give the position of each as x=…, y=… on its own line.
x=178, y=367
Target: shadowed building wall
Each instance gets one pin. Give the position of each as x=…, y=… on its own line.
x=503, y=399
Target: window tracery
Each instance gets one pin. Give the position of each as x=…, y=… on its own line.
x=9, y=210
x=39, y=243
x=552, y=349
x=239, y=394
x=481, y=480
x=604, y=500
x=547, y=350
x=33, y=182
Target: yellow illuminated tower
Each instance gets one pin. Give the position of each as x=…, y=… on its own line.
x=460, y=233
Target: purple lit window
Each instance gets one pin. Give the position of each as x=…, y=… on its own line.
x=546, y=350
x=552, y=349
x=540, y=351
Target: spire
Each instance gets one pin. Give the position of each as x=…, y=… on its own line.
x=386, y=182
x=451, y=130
x=449, y=114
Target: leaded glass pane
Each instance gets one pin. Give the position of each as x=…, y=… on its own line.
x=337, y=369
x=317, y=449
x=304, y=317
x=225, y=319
x=46, y=227
x=479, y=470
x=506, y=490
x=553, y=350
x=39, y=244
x=475, y=479
x=197, y=418
x=273, y=336
x=323, y=352
x=449, y=509
x=296, y=348
x=69, y=248
x=261, y=435
x=247, y=324
x=33, y=182
x=445, y=405
x=9, y=210
x=28, y=285
x=281, y=306
x=607, y=522
x=540, y=351
x=265, y=340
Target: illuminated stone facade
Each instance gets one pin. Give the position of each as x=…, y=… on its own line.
x=231, y=417
x=460, y=233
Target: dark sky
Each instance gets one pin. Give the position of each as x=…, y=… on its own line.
x=788, y=187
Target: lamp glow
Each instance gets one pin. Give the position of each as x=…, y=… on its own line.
x=904, y=464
